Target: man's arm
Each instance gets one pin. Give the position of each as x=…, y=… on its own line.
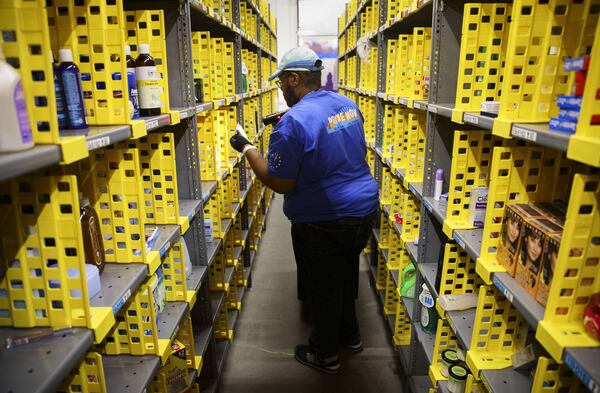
x=260, y=165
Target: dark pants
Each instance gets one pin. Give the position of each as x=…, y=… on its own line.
x=327, y=255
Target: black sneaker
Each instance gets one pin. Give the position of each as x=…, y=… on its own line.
x=308, y=356
x=355, y=347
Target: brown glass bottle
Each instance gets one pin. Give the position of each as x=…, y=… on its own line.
x=148, y=82
x=92, y=236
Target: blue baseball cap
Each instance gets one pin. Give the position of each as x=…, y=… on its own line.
x=298, y=59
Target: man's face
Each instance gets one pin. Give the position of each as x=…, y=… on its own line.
x=287, y=82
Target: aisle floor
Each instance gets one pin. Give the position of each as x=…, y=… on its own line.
x=261, y=358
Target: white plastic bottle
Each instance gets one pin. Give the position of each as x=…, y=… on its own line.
x=16, y=129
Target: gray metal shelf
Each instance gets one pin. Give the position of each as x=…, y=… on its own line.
x=232, y=316
x=429, y=272
x=155, y=122
x=208, y=188
x=409, y=306
x=189, y=208
x=413, y=252
x=469, y=240
x=391, y=320
x=202, y=336
x=584, y=363
x=204, y=107
x=507, y=380
x=532, y=311
x=185, y=113
x=398, y=228
x=462, y=323
x=216, y=300
x=395, y=276
x=229, y=272
x=131, y=374
x=427, y=340
x=376, y=234
x=226, y=224
x=194, y=280
x=385, y=252
x=22, y=162
x=167, y=236
x=212, y=249
x=221, y=348
x=444, y=110
x=168, y=320
x=420, y=105
x=118, y=282
x=541, y=135
x=437, y=208
x=41, y=366
x=101, y=136
x=479, y=120
x=417, y=190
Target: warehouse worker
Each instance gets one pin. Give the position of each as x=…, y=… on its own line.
x=317, y=160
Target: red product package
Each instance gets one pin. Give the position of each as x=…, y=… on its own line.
x=591, y=316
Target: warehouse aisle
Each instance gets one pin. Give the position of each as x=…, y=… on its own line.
x=261, y=357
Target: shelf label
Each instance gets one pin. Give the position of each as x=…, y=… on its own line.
x=427, y=204
x=458, y=239
x=470, y=119
x=582, y=374
x=502, y=288
x=165, y=248
x=485, y=382
x=117, y=307
x=524, y=134
x=98, y=143
x=151, y=124
x=432, y=109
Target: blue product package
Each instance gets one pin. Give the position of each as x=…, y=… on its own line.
x=569, y=102
x=570, y=115
x=576, y=64
x=559, y=124
x=61, y=112
x=71, y=82
x=134, y=105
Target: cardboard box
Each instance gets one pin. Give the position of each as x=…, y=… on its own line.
x=534, y=237
x=556, y=211
x=515, y=215
x=172, y=377
x=478, y=205
x=546, y=273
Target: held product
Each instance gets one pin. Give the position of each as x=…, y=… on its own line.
x=449, y=359
x=92, y=236
x=439, y=181
x=591, y=316
x=148, y=82
x=61, y=107
x=457, y=378
x=70, y=78
x=407, y=289
x=428, y=313
x=16, y=128
x=134, y=105
x=273, y=118
x=478, y=205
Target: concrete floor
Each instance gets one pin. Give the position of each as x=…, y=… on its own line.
x=261, y=359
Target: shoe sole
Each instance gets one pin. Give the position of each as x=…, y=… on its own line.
x=311, y=365
x=355, y=350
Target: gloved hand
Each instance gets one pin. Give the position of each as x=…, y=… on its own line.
x=238, y=141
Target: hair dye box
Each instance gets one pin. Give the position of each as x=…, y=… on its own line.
x=534, y=237
x=515, y=216
x=546, y=273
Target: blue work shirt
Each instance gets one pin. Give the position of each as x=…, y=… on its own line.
x=320, y=142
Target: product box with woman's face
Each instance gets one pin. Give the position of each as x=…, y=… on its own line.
x=534, y=237
x=547, y=271
x=515, y=216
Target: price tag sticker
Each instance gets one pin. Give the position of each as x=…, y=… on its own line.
x=151, y=124
x=433, y=109
x=470, y=119
x=524, y=134
x=458, y=239
x=98, y=143
x=502, y=288
x=121, y=302
x=582, y=374
x=165, y=248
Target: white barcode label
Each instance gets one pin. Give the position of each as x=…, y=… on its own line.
x=151, y=124
x=98, y=143
x=502, y=288
x=460, y=241
x=433, y=109
x=524, y=134
x=471, y=119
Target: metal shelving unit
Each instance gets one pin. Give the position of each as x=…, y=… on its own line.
x=126, y=373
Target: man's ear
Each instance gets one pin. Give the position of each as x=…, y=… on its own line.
x=294, y=79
